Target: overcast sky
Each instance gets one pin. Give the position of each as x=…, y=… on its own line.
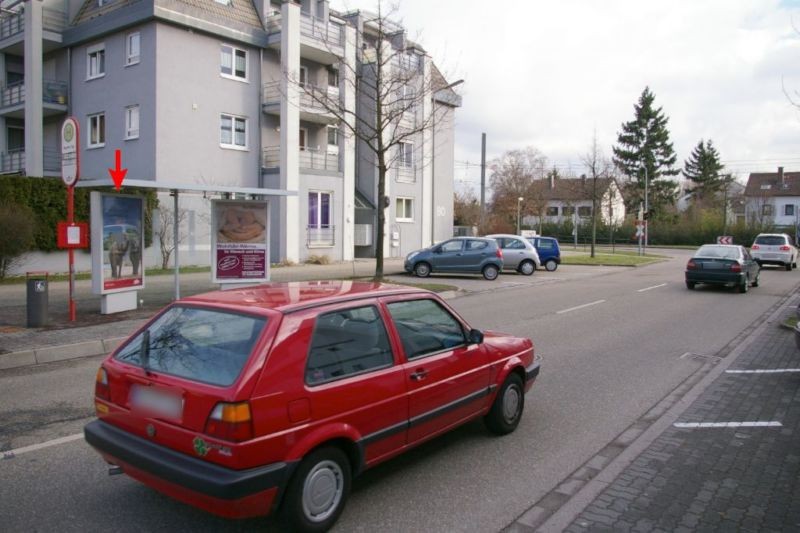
x=549, y=73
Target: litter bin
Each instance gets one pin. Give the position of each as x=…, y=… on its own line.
x=37, y=298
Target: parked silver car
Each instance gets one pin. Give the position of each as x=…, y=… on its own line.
x=518, y=253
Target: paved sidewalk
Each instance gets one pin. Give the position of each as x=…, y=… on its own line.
x=95, y=334
x=693, y=477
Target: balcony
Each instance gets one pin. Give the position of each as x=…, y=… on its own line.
x=54, y=99
x=310, y=159
x=12, y=29
x=321, y=236
x=314, y=105
x=320, y=41
x=13, y=162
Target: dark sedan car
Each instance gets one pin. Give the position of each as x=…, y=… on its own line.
x=722, y=264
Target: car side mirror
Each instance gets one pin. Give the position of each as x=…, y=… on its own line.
x=475, y=336
x=437, y=250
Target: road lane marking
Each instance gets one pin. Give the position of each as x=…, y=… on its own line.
x=692, y=425
x=766, y=371
x=579, y=307
x=651, y=288
x=33, y=447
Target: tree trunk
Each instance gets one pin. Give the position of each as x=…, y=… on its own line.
x=381, y=207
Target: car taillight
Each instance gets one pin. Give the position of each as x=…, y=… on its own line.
x=785, y=248
x=755, y=247
x=736, y=267
x=230, y=421
x=499, y=253
x=101, y=384
x=691, y=265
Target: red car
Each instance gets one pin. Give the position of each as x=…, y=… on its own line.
x=273, y=397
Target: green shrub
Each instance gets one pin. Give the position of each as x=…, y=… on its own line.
x=18, y=228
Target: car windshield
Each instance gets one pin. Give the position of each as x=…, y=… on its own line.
x=771, y=240
x=198, y=344
x=717, y=252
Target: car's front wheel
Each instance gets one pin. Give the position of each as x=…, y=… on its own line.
x=316, y=495
x=550, y=265
x=527, y=268
x=490, y=272
x=506, y=411
x=423, y=270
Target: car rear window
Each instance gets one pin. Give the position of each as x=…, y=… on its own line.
x=717, y=252
x=544, y=244
x=771, y=240
x=477, y=245
x=203, y=345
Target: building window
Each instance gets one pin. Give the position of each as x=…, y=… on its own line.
x=788, y=210
x=95, y=61
x=132, y=122
x=132, y=48
x=320, y=230
x=584, y=211
x=551, y=211
x=97, y=130
x=233, y=63
x=223, y=2
x=406, y=156
x=333, y=139
x=766, y=210
x=233, y=132
x=404, y=210
x=333, y=78
x=567, y=211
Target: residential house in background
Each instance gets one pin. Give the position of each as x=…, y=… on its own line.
x=561, y=199
x=220, y=93
x=773, y=198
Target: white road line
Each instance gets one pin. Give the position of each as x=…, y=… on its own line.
x=579, y=307
x=33, y=447
x=765, y=371
x=651, y=288
x=692, y=425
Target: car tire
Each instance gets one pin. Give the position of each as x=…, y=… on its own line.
x=743, y=287
x=318, y=490
x=788, y=266
x=755, y=282
x=690, y=285
x=490, y=272
x=506, y=411
x=550, y=265
x=422, y=270
x=527, y=268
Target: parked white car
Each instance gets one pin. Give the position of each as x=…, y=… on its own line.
x=774, y=249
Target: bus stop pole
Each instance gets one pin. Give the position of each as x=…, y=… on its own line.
x=175, y=231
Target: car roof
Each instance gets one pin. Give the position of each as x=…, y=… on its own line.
x=495, y=235
x=287, y=297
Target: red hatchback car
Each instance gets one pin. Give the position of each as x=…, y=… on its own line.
x=273, y=397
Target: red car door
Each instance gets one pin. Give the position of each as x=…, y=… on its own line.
x=447, y=378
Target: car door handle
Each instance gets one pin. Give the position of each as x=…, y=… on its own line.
x=419, y=375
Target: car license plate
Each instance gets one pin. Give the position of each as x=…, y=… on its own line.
x=157, y=402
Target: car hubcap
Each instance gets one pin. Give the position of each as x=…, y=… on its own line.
x=422, y=270
x=551, y=265
x=527, y=269
x=511, y=400
x=322, y=491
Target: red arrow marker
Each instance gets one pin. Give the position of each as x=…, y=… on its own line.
x=118, y=174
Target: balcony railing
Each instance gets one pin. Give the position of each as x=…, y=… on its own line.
x=312, y=98
x=52, y=160
x=318, y=29
x=14, y=23
x=14, y=160
x=324, y=235
x=309, y=159
x=53, y=92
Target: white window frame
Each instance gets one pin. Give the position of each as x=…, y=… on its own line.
x=302, y=139
x=132, y=58
x=232, y=145
x=332, y=148
x=317, y=225
x=93, y=53
x=405, y=159
x=233, y=51
x=333, y=72
x=787, y=208
x=407, y=205
x=90, y=128
x=132, y=122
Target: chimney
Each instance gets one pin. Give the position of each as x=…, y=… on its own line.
x=781, y=177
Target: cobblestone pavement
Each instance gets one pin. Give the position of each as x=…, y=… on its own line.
x=719, y=478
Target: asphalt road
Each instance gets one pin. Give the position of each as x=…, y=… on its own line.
x=612, y=341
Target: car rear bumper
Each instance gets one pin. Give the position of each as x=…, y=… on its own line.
x=716, y=278
x=773, y=258
x=220, y=490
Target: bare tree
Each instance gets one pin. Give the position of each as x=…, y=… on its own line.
x=512, y=177
x=598, y=167
x=165, y=235
x=466, y=208
x=395, y=92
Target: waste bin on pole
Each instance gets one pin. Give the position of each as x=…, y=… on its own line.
x=37, y=302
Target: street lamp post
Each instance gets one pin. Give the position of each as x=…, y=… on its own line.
x=519, y=212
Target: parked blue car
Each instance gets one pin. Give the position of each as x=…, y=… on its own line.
x=467, y=255
x=549, y=251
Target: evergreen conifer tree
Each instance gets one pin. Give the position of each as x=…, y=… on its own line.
x=645, y=153
x=704, y=169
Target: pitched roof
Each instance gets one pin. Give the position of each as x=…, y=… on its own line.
x=569, y=189
x=763, y=184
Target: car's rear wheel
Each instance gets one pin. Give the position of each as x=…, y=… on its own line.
x=506, y=411
x=490, y=272
x=550, y=265
x=743, y=287
x=316, y=495
x=690, y=285
x=527, y=268
x=755, y=282
x=423, y=270
x=788, y=266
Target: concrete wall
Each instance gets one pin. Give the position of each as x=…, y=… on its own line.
x=443, y=170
